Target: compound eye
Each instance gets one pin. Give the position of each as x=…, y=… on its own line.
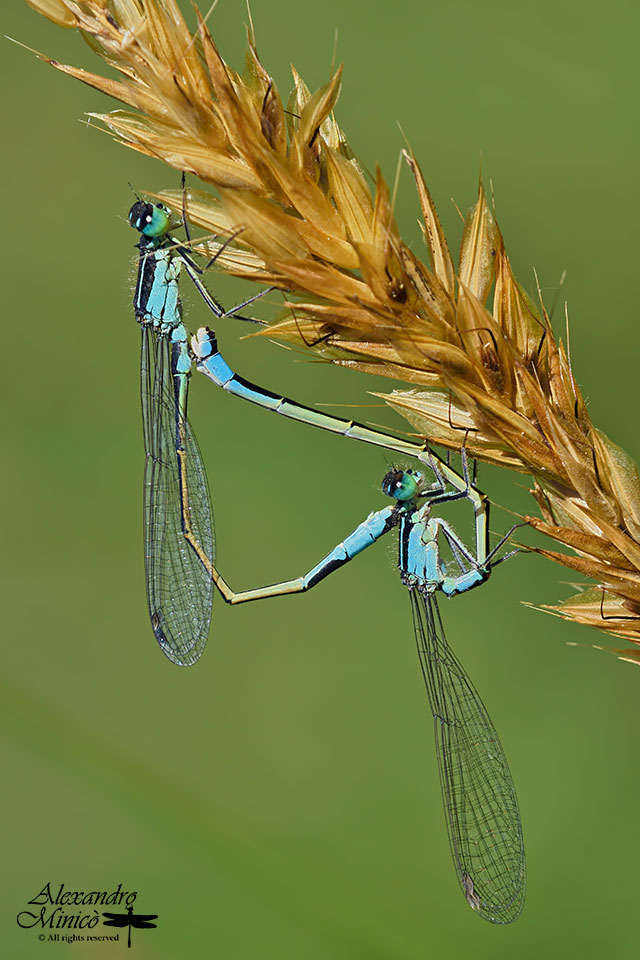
x=400, y=485
x=149, y=219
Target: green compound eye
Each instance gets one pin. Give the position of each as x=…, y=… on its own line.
x=150, y=219
x=401, y=484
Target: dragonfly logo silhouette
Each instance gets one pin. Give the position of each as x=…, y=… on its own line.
x=141, y=921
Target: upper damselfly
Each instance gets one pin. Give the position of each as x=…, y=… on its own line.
x=177, y=507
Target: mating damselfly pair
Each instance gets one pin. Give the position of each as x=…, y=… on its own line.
x=481, y=807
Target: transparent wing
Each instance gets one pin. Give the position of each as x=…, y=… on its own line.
x=179, y=589
x=480, y=803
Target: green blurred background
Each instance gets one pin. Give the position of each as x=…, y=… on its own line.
x=280, y=800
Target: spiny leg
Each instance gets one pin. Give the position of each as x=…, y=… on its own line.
x=190, y=266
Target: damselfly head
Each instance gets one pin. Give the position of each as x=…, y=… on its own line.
x=403, y=484
x=151, y=219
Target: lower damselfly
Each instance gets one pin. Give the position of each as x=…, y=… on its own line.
x=480, y=803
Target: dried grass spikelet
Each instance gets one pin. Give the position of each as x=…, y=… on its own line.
x=478, y=355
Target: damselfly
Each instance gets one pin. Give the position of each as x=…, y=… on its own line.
x=176, y=497
x=481, y=808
